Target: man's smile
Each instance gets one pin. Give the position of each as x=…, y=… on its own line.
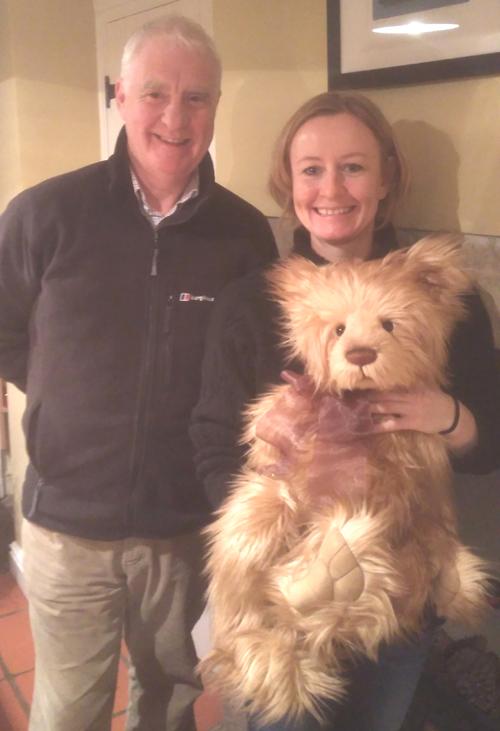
x=178, y=142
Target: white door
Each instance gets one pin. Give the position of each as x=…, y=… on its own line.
x=114, y=26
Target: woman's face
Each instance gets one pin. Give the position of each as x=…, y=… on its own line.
x=337, y=184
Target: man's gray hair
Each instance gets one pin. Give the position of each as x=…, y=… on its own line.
x=172, y=28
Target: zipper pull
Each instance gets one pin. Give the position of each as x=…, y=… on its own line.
x=154, y=263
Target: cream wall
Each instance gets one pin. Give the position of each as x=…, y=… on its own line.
x=450, y=134
x=9, y=149
x=274, y=58
x=10, y=168
x=48, y=117
x=54, y=67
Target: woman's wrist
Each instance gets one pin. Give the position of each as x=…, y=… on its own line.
x=462, y=438
x=456, y=417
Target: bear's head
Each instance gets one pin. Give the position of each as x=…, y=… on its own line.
x=377, y=324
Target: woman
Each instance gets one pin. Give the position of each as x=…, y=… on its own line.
x=338, y=170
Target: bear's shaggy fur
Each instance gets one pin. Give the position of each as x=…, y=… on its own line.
x=307, y=573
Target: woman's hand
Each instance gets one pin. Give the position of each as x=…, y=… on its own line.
x=426, y=410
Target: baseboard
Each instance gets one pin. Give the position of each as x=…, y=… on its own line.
x=16, y=564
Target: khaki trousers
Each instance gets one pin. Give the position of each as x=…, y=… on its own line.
x=84, y=595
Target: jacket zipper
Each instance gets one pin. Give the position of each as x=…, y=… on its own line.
x=142, y=423
x=154, y=263
x=167, y=323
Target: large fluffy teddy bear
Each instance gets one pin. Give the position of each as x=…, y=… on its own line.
x=333, y=539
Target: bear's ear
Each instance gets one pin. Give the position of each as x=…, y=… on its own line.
x=292, y=280
x=437, y=263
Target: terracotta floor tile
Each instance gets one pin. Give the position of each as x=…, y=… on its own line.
x=12, y=598
x=124, y=651
x=208, y=711
x=121, y=695
x=24, y=682
x=16, y=645
x=118, y=722
x=12, y=715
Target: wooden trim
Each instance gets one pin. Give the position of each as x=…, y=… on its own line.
x=4, y=427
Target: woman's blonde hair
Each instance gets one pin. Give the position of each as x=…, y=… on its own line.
x=394, y=165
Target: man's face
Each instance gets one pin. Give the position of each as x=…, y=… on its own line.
x=168, y=101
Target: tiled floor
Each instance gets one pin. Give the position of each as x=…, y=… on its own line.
x=17, y=661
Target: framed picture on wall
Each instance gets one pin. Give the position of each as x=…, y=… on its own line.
x=375, y=43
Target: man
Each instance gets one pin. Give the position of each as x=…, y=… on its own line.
x=107, y=279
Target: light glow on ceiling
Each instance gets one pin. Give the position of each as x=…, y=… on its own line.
x=415, y=28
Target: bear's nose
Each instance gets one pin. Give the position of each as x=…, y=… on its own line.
x=361, y=356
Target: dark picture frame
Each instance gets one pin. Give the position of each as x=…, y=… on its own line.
x=414, y=73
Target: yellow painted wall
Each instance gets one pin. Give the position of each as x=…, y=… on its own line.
x=274, y=58
x=10, y=168
x=450, y=133
x=54, y=64
x=48, y=115
x=9, y=149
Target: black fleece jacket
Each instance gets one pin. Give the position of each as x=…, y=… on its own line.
x=244, y=357
x=108, y=345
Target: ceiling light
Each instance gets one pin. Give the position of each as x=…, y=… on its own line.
x=415, y=28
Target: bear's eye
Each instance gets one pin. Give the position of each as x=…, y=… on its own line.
x=388, y=325
x=339, y=330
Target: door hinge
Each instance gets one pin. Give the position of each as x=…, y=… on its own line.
x=109, y=91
